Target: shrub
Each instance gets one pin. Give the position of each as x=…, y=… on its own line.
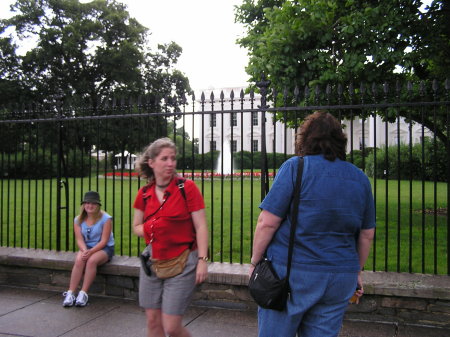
x=421, y=161
x=42, y=164
x=242, y=160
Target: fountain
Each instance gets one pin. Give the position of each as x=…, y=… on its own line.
x=225, y=158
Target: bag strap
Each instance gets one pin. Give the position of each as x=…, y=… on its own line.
x=294, y=216
x=180, y=184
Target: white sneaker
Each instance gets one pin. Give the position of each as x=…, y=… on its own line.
x=69, y=299
x=82, y=299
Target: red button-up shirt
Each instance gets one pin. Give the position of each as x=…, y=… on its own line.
x=170, y=230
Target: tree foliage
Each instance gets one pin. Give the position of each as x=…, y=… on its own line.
x=85, y=52
x=85, y=59
x=296, y=41
x=319, y=42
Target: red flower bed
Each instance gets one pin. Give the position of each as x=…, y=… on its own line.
x=121, y=174
x=215, y=174
x=195, y=175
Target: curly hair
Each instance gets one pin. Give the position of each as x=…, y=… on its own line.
x=321, y=133
x=150, y=152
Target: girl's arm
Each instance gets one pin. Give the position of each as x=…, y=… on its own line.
x=79, y=237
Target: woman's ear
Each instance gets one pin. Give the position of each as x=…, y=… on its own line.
x=150, y=162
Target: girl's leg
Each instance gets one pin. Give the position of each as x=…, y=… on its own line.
x=154, y=323
x=96, y=259
x=173, y=326
x=77, y=272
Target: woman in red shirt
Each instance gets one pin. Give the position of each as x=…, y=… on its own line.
x=170, y=214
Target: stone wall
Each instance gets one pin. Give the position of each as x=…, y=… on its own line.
x=389, y=297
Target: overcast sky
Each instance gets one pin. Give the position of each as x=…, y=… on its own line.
x=206, y=31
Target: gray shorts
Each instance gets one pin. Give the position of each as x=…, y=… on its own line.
x=171, y=295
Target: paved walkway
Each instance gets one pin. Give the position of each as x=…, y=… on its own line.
x=29, y=312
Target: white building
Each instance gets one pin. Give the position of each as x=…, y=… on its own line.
x=129, y=161
x=234, y=122
x=375, y=133
x=277, y=134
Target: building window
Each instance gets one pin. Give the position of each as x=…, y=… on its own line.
x=212, y=145
x=233, y=119
x=212, y=120
x=254, y=118
x=233, y=144
x=255, y=145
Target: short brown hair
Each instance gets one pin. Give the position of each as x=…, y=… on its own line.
x=151, y=152
x=321, y=133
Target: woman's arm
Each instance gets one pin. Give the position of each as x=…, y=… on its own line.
x=266, y=227
x=364, y=242
x=138, y=226
x=201, y=230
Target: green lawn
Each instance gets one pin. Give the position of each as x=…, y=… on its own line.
x=411, y=241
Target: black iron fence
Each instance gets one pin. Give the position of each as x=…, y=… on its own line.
x=231, y=146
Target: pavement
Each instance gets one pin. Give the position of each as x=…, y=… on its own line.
x=31, y=312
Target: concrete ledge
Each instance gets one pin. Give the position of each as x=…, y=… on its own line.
x=407, y=285
x=389, y=297
x=223, y=273
x=375, y=283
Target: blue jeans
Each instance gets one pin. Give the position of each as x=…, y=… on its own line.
x=316, y=307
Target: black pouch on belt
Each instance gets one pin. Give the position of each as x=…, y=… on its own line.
x=146, y=261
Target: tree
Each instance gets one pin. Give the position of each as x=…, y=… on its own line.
x=89, y=55
x=10, y=85
x=81, y=50
x=318, y=42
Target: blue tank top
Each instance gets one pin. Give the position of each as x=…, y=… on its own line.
x=93, y=234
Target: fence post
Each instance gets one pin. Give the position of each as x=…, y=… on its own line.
x=263, y=88
x=61, y=181
x=58, y=178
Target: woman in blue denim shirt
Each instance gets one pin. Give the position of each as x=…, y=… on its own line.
x=95, y=240
x=336, y=224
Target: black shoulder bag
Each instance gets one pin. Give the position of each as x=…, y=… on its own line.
x=266, y=288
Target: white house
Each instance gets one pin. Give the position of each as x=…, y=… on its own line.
x=128, y=162
x=376, y=134
x=242, y=130
x=245, y=128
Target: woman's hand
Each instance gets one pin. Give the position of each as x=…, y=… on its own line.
x=360, y=289
x=202, y=271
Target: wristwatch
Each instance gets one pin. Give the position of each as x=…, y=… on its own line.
x=204, y=258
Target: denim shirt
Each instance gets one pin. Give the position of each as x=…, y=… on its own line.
x=336, y=202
